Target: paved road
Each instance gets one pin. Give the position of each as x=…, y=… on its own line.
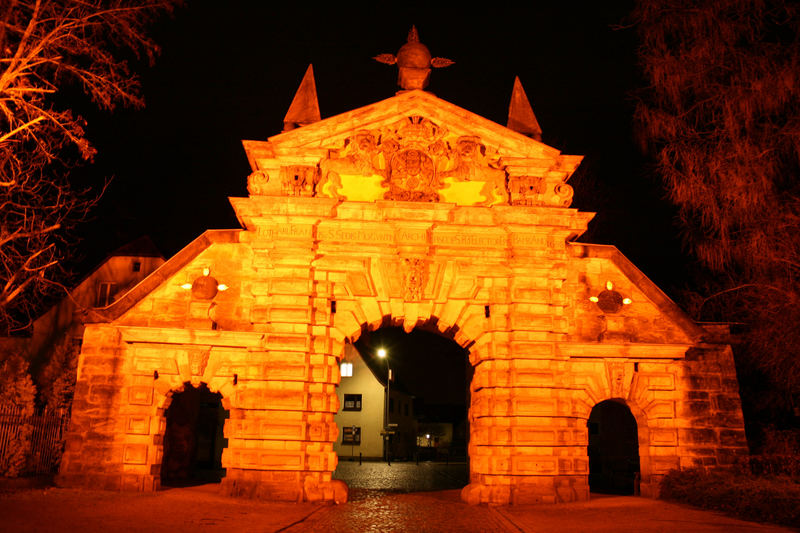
x=403, y=477
x=417, y=512
x=200, y=509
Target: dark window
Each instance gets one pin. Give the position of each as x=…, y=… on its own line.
x=351, y=435
x=137, y=266
x=352, y=402
x=405, y=409
x=105, y=294
x=391, y=405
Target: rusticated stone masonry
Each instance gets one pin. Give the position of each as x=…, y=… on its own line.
x=261, y=316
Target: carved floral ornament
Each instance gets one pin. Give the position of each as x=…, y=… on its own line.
x=414, y=159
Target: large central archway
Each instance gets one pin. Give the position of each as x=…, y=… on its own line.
x=420, y=426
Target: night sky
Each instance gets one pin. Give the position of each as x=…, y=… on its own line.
x=228, y=71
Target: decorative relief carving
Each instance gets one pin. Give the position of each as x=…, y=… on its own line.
x=416, y=275
x=536, y=190
x=198, y=360
x=360, y=156
x=525, y=190
x=298, y=180
x=415, y=150
x=415, y=160
x=257, y=182
x=412, y=177
x=617, y=380
x=564, y=194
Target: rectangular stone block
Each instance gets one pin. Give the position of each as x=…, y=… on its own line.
x=275, y=372
x=288, y=342
x=291, y=286
x=290, y=314
x=135, y=454
x=140, y=395
x=661, y=409
x=663, y=437
x=659, y=381
x=532, y=349
x=102, y=393
x=165, y=364
x=138, y=425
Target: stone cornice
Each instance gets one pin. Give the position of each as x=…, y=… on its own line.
x=203, y=337
x=621, y=351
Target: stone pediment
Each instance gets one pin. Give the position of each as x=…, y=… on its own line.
x=411, y=147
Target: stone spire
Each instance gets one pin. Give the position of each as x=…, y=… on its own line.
x=305, y=106
x=520, y=113
x=414, y=63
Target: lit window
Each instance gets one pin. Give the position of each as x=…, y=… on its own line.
x=347, y=370
x=352, y=402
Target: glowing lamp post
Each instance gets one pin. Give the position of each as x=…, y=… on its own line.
x=383, y=355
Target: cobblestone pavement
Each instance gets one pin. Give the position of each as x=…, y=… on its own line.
x=418, y=512
x=403, y=477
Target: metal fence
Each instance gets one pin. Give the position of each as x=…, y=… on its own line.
x=46, y=443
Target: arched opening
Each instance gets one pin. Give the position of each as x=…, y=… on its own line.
x=193, y=441
x=613, y=449
x=421, y=429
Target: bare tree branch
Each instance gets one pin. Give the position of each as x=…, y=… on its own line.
x=721, y=118
x=45, y=44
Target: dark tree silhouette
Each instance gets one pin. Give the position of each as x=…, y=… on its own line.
x=721, y=116
x=44, y=45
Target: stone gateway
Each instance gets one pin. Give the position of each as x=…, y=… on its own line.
x=413, y=212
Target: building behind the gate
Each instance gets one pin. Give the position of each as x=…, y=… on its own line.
x=410, y=211
x=363, y=411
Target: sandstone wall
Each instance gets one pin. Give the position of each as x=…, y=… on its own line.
x=309, y=273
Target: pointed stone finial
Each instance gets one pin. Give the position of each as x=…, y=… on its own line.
x=520, y=113
x=305, y=106
x=414, y=62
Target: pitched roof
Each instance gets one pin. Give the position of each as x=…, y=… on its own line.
x=141, y=247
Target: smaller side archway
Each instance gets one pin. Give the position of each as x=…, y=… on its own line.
x=614, y=436
x=193, y=439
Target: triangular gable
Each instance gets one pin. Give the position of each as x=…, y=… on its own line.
x=617, y=304
x=334, y=130
x=413, y=146
x=161, y=275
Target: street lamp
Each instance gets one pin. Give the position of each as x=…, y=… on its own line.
x=383, y=355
